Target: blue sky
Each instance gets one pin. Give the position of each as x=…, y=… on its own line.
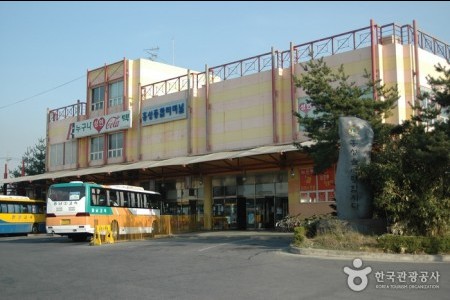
x=47, y=47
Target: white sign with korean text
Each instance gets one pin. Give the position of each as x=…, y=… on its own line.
x=102, y=124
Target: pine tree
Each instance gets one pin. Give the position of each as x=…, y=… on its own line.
x=410, y=177
x=332, y=96
x=34, y=160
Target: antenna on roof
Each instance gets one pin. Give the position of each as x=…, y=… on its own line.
x=173, y=51
x=152, y=52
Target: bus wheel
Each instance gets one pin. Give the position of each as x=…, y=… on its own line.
x=35, y=228
x=115, y=230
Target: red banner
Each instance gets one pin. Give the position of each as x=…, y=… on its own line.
x=307, y=179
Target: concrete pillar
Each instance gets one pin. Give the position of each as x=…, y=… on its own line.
x=208, y=202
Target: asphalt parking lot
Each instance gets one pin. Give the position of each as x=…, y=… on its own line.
x=207, y=265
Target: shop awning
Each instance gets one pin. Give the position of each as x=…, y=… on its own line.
x=176, y=161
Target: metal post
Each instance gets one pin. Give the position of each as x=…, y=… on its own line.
x=274, y=104
x=293, y=106
x=374, y=49
x=207, y=109
x=416, y=61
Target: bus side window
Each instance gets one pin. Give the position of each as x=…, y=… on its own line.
x=102, y=198
x=145, y=202
x=112, y=198
x=125, y=199
x=138, y=200
x=132, y=199
x=95, y=196
x=120, y=198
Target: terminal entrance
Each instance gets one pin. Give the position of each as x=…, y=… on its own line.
x=251, y=202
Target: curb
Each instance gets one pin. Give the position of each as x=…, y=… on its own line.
x=369, y=256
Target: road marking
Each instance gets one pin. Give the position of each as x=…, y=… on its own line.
x=211, y=247
x=218, y=245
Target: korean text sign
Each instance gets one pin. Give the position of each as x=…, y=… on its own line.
x=171, y=111
x=102, y=124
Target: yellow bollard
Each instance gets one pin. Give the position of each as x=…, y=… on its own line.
x=96, y=240
x=99, y=231
x=109, y=239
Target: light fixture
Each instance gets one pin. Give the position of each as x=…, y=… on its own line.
x=292, y=172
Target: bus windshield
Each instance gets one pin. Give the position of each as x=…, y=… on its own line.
x=69, y=193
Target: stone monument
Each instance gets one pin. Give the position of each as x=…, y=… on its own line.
x=353, y=199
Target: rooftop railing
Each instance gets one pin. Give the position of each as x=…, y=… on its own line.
x=340, y=43
x=168, y=86
x=348, y=41
x=244, y=67
x=69, y=111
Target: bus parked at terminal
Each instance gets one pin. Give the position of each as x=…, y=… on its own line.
x=21, y=215
x=75, y=208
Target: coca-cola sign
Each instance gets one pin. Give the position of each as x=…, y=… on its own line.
x=113, y=122
x=102, y=124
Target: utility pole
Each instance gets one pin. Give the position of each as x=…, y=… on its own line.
x=7, y=160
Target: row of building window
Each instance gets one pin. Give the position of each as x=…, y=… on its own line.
x=115, y=95
x=66, y=153
x=63, y=153
x=115, y=146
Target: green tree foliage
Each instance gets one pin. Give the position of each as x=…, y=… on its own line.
x=440, y=88
x=437, y=111
x=410, y=177
x=332, y=96
x=34, y=160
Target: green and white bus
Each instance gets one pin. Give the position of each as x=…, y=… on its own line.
x=75, y=208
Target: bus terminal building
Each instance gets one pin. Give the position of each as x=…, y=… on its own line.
x=218, y=143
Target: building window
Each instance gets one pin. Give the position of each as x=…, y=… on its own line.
x=115, y=145
x=56, y=154
x=70, y=153
x=98, y=96
x=115, y=93
x=97, y=148
x=63, y=154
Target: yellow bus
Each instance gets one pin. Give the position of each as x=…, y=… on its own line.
x=21, y=215
x=75, y=208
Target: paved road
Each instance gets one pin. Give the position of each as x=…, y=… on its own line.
x=226, y=265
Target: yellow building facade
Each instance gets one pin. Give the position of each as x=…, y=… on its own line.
x=218, y=143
